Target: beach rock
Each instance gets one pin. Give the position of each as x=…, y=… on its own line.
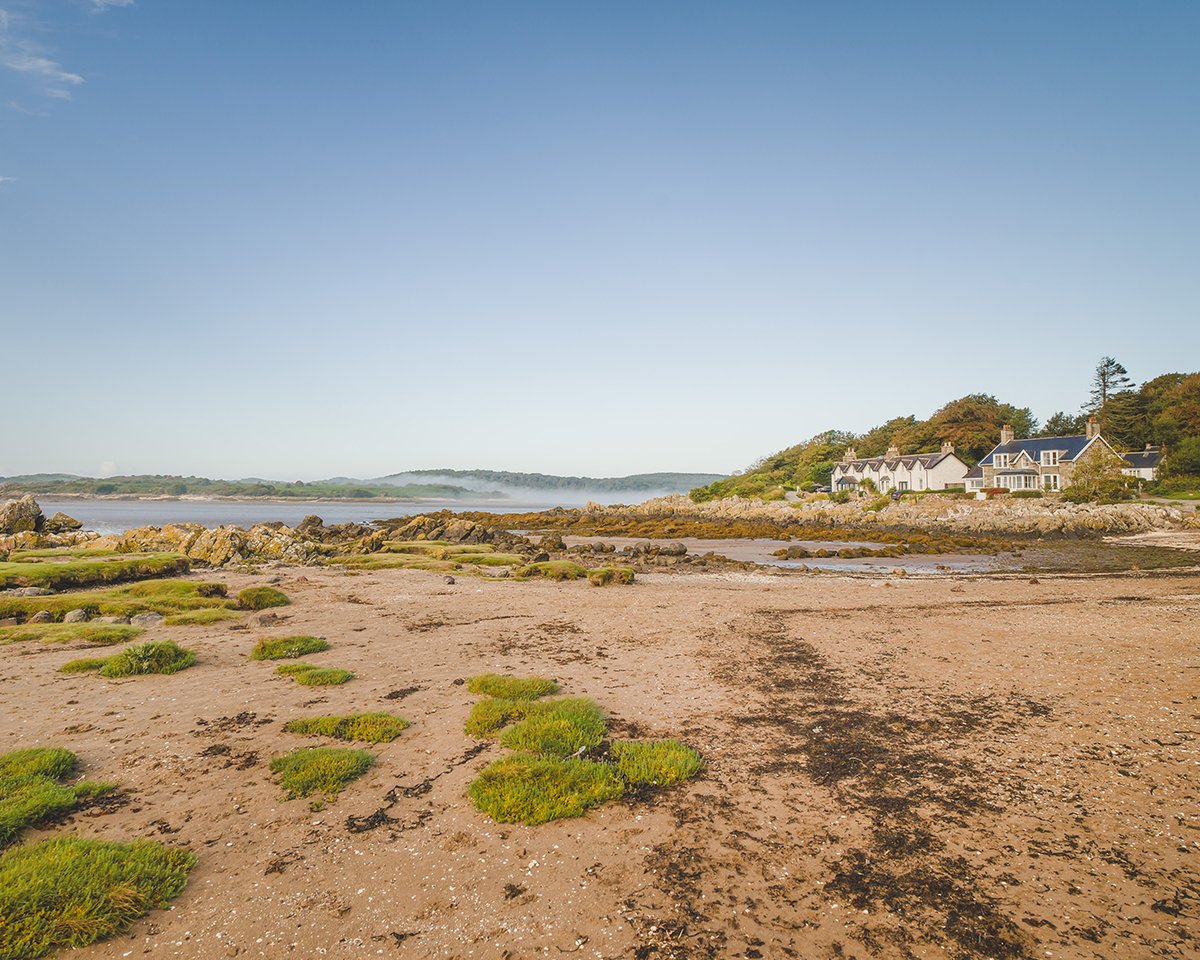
x=148, y=619
x=31, y=592
x=61, y=523
x=112, y=620
x=541, y=557
x=449, y=580
x=20, y=516
x=42, y=616
x=75, y=616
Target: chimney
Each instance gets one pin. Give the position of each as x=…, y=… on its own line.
x=849, y=455
x=1006, y=433
x=1093, y=428
x=947, y=447
x=893, y=452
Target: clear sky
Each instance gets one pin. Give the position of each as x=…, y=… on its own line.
x=298, y=240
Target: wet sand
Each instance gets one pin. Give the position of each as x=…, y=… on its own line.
x=923, y=768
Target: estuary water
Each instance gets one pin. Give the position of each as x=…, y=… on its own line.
x=116, y=516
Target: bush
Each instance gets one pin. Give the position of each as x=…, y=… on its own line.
x=310, y=675
x=656, y=762
x=70, y=892
x=161, y=656
x=325, y=770
x=1098, y=479
x=603, y=576
x=840, y=496
x=287, y=648
x=1026, y=494
x=365, y=727
x=535, y=790
x=551, y=570
x=260, y=598
x=512, y=688
x=31, y=791
x=878, y=504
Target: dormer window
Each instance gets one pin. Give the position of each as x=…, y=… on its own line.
x=1050, y=458
x=1002, y=460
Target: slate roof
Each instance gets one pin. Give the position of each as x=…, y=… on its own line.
x=1143, y=459
x=975, y=473
x=927, y=460
x=1069, y=448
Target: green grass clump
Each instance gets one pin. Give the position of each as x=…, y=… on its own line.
x=489, y=716
x=63, y=574
x=551, y=570
x=656, y=762
x=534, y=790
x=30, y=791
x=160, y=656
x=287, y=648
x=70, y=892
x=260, y=598
x=70, y=553
x=557, y=728
x=320, y=769
x=97, y=634
x=310, y=675
x=151, y=596
x=364, y=727
x=512, y=688
x=603, y=576
x=193, y=618
x=489, y=559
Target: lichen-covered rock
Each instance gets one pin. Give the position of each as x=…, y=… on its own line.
x=221, y=546
x=61, y=523
x=75, y=616
x=21, y=516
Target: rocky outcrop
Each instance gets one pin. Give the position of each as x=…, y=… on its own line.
x=1046, y=516
x=21, y=516
x=220, y=546
x=61, y=523
x=439, y=526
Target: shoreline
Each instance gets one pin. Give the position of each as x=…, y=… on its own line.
x=217, y=498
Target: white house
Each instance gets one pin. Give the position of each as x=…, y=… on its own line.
x=920, y=471
x=1142, y=464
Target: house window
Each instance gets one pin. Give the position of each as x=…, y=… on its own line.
x=1002, y=460
x=903, y=484
x=1050, y=481
x=1049, y=458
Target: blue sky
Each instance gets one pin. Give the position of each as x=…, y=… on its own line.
x=297, y=240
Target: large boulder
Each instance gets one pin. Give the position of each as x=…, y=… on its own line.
x=20, y=516
x=61, y=523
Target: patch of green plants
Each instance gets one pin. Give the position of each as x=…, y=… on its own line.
x=69, y=892
x=551, y=570
x=604, y=576
x=324, y=770
x=69, y=553
x=287, y=648
x=511, y=688
x=97, y=634
x=562, y=765
x=535, y=790
x=364, y=727
x=260, y=598
x=657, y=763
x=31, y=788
x=1027, y=494
x=158, y=656
x=558, y=728
x=150, y=596
x=392, y=561
x=310, y=675
x=879, y=503
x=64, y=574
x=197, y=618
x=489, y=559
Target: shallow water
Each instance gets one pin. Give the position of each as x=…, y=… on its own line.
x=116, y=516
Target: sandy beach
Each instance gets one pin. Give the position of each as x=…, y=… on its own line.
x=895, y=768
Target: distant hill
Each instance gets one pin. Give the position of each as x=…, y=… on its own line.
x=647, y=484
x=166, y=485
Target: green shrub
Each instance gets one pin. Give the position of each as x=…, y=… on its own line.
x=31, y=791
x=260, y=598
x=534, y=790
x=656, y=762
x=512, y=688
x=97, y=634
x=558, y=728
x=310, y=675
x=287, y=648
x=194, y=618
x=160, y=656
x=878, y=504
x=603, y=576
x=489, y=716
x=320, y=769
x=1026, y=494
x=840, y=496
x=364, y=727
x=69, y=892
x=83, y=665
x=551, y=570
